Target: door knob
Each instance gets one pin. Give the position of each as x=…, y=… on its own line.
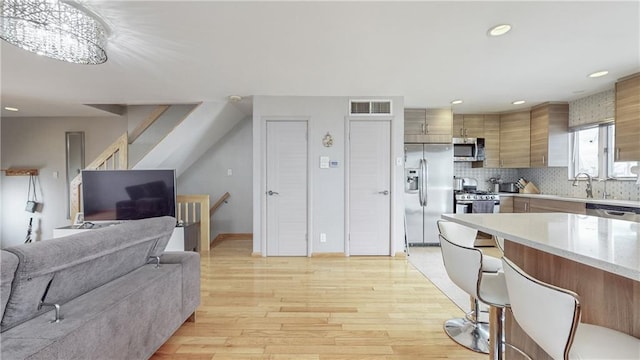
x=271, y=193
x=386, y=192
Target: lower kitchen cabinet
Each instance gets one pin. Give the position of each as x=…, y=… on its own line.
x=546, y=205
x=506, y=204
x=533, y=205
x=520, y=205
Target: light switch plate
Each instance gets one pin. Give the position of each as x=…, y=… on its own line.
x=324, y=162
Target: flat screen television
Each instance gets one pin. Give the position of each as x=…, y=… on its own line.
x=114, y=195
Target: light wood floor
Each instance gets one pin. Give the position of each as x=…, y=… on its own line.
x=314, y=309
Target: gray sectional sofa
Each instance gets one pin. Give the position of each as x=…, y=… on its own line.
x=115, y=301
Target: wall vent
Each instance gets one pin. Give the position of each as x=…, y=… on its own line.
x=370, y=107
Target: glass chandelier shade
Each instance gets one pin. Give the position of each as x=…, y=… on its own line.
x=57, y=29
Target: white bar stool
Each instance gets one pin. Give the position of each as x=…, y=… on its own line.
x=556, y=326
x=464, y=266
x=466, y=236
x=469, y=328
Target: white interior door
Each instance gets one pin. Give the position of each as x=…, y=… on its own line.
x=369, y=188
x=286, y=195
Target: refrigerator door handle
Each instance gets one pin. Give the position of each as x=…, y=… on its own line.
x=425, y=183
x=420, y=182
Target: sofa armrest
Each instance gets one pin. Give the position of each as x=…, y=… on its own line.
x=190, y=262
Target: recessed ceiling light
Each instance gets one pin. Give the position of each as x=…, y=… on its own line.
x=518, y=102
x=499, y=30
x=235, y=98
x=8, y=108
x=455, y=102
x=598, y=74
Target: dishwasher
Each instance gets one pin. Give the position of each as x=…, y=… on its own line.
x=614, y=212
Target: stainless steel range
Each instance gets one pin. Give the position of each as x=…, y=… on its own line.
x=472, y=200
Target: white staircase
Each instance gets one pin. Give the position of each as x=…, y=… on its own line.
x=191, y=138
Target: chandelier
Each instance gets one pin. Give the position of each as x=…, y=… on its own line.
x=60, y=30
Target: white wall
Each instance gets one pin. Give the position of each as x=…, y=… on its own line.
x=327, y=193
x=40, y=143
x=208, y=175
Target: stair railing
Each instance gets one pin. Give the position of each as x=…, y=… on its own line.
x=114, y=157
x=190, y=210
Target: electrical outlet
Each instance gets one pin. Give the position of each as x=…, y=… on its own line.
x=229, y=172
x=323, y=237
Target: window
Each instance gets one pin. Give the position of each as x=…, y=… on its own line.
x=586, y=152
x=591, y=155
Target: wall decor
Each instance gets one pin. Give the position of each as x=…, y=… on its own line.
x=327, y=140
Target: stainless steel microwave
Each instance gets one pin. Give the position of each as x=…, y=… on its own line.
x=468, y=149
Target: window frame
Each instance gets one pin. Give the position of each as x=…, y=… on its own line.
x=605, y=157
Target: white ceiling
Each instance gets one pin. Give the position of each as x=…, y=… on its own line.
x=428, y=52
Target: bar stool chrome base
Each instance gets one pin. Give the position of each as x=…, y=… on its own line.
x=473, y=336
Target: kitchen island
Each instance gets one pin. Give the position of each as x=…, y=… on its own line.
x=598, y=258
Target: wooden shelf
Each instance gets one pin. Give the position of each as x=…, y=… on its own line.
x=20, y=172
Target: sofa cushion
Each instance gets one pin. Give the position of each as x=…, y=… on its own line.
x=8, y=266
x=74, y=265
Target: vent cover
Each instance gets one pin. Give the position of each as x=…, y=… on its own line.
x=370, y=107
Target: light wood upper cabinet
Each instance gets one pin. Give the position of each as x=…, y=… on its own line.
x=515, y=139
x=458, y=125
x=491, y=135
x=427, y=126
x=468, y=126
x=491, y=141
x=627, y=120
x=414, y=121
x=549, y=135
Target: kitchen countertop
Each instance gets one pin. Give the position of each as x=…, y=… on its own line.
x=614, y=202
x=608, y=244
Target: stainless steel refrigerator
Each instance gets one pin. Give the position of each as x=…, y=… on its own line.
x=428, y=190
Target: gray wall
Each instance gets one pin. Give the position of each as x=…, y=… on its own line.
x=40, y=143
x=208, y=175
x=327, y=193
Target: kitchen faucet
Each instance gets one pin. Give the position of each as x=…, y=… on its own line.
x=588, y=189
x=605, y=194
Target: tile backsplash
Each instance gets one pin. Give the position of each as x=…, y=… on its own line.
x=555, y=181
x=552, y=181
x=482, y=175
